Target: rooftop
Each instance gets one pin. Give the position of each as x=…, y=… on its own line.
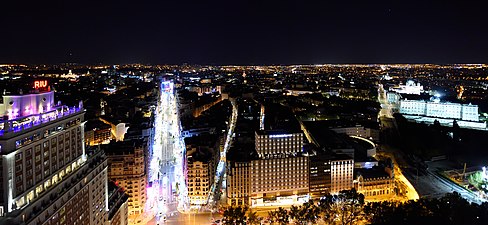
x=32, y=121
x=122, y=147
x=325, y=138
x=375, y=172
x=278, y=117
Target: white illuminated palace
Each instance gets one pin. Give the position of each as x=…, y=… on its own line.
x=409, y=88
x=466, y=115
x=467, y=112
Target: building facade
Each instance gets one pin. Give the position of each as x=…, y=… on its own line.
x=270, y=144
x=203, y=155
x=200, y=178
x=448, y=110
x=375, y=182
x=97, y=133
x=238, y=180
x=329, y=174
x=280, y=174
x=281, y=179
x=117, y=205
x=47, y=176
x=127, y=169
x=277, y=175
x=342, y=174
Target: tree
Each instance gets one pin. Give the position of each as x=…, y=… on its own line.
x=350, y=206
x=282, y=216
x=451, y=209
x=273, y=217
x=253, y=218
x=325, y=208
x=235, y=215
x=307, y=213
x=294, y=214
x=310, y=212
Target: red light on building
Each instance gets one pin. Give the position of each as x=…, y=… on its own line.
x=40, y=84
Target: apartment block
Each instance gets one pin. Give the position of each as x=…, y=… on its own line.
x=126, y=162
x=203, y=155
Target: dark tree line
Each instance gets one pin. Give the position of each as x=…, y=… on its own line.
x=451, y=209
x=348, y=208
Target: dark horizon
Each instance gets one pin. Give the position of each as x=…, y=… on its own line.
x=244, y=33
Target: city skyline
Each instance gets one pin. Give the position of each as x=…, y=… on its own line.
x=243, y=112
x=195, y=144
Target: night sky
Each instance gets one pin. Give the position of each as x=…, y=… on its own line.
x=243, y=32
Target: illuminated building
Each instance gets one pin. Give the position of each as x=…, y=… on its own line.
x=282, y=180
x=117, y=205
x=447, y=110
x=270, y=143
x=201, y=90
x=341, y=174
x=375, y=182
x=409, y=88
x=97, y=132
x=266, y=166
x=277, y=175
x=238, y=188
x=47, y=176
x=329, y=173
x=127, y=169
x=280, y=175
x=202, y=160
x=393, y=97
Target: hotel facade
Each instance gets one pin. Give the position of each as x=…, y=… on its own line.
x=47, y=176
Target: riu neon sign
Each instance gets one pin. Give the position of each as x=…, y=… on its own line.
x=40, y=83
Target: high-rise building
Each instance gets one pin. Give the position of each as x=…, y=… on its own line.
x=327, y=177
x=47, y=176
x=203, y=155
x=278, y=175
x=269, y=168
x=117, y=205
x=126, y=163
x=272, y=143
x=342, y=174
x=238, y=188
x=282, y=179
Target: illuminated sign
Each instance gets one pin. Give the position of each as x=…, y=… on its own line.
x=280, y=135
x=40, y=84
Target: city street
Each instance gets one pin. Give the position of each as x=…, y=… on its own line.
x=220, y=173
x=166, y=190
x=189, y=219
x=386, y=108
x=387, y=121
